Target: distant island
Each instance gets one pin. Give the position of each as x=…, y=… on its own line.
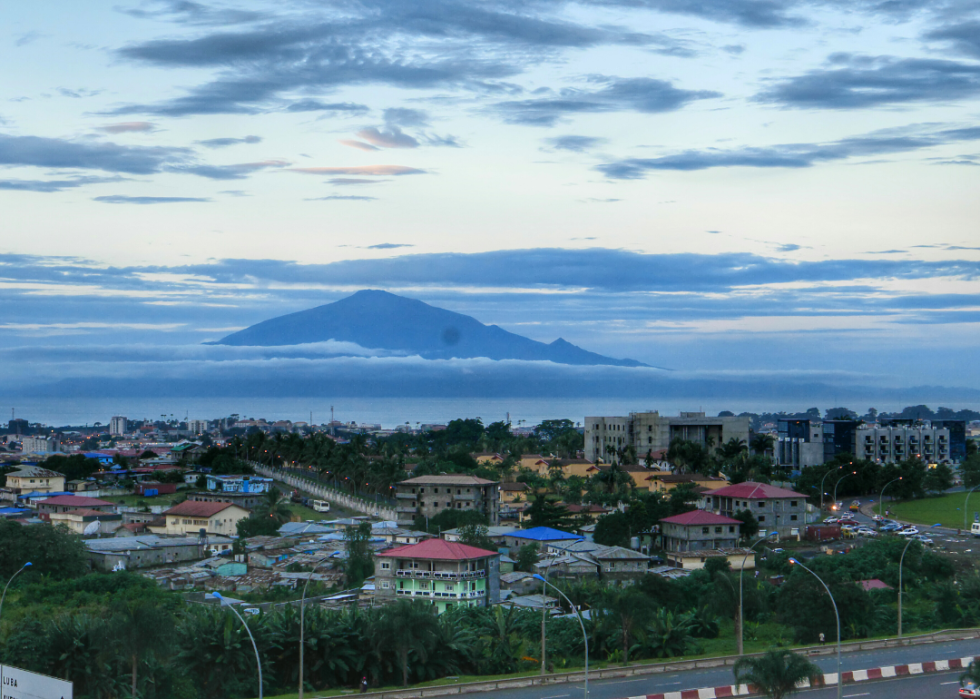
x=385, y=322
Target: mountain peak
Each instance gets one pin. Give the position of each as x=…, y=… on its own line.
x=379, y=320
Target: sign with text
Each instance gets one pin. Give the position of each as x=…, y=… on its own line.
x=21, y=684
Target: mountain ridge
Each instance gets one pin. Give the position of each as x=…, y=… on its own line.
x=380, y=320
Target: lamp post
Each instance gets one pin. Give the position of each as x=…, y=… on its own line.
x=741, y=615
x=258, y=660
x=302, y=622
x=823, y=480
x=901, y=562
x=852, y=473
x=882, y=495
x=585, y=635
x=966, y=511
x=19, y=571
x=836, y=616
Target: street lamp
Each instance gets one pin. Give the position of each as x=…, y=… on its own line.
x=901, y=561
x=302, y=620
x=966, y=510
x=852, y=473
x=882, y=495
x=795, y=562
x=823, y=480
x=258, y=661
x=19, y=571
x=741, y=616
x=585, y=635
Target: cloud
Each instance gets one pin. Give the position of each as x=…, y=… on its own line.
x=38, y=151
x=755, y=14
x=345, y=197
x=353, y=181
x=238, y=171
x=194, y=13
x=789, y=247
x=27, y=38
x=77, y=93
x=791, y=155
x=963, y=37
x=225, y=142
x=311, y=105
x=49, y=186
x=389, y=246
x=128, y=127
x=360, y=145
x=392, y=137
x=734, y=49
x=361, y=170
x=576, y=144
x=401, y=116
x=121, y=199
x=646, y=95
x=860, y=82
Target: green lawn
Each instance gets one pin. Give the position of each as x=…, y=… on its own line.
x=945, y=509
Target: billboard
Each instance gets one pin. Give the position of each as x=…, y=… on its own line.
x=21, y=684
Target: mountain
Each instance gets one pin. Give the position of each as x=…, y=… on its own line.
x=379, y=320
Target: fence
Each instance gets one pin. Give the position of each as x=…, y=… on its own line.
x=324, y=492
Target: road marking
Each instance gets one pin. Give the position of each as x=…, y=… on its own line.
x=628, y=681
x=557, y=696
x=862, y=694
x=949, y=682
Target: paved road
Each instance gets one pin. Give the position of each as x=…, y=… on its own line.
x=940, y=685
x=618, y=688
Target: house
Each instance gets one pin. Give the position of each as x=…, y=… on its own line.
x=33, y=479
x=662, y=482
x=497, y=534
x=65, y=503
x=699, y=530
x=399, y=535
x=213, y=517
x=488, y=458
x=589, y=512
x=776, y=509
x=438, y=572
x=238, y=484
x=536, y=463
x=637, y=472
x=78, y=521
x=150, y=550
x=514, y=492
x=695, y=560
x=429, y=495
x=570, y=467
x=151, y=488
x=607, y=562
x=519, y=583
x=542, y=536
x=81, y=486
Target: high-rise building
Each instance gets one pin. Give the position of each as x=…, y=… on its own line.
x=800, y=443
x=651, y=432
x=957, y=438
x=839, y=437
x=118, y=425
x=197, y=426
x=896, y=441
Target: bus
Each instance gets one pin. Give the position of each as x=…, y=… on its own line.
x=321, y=506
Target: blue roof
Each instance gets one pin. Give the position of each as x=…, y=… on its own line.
x=545, y=534
x=96, y=455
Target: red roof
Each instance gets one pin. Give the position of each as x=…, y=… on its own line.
x=76, y=501
x=83, y=513
x=755, y=491
x=873, y=584
x=191, y=508
x=438, y=550
x=699, y=517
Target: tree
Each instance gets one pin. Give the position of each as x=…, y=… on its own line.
x=750, y=525
x=408, y=627
x=776, y=673
x=274, y=505
x=359, y=563
x=669, y=635
x=476, y=535
x=527, y=556
x=683, y=499
x=762, y=444
x=938, y=479
x=691, y=457
x=544, y=513
x=613, y=529
x=627, y=610
x=140, y=624
x=53, y=551
x=257, y=525
x=972, y=675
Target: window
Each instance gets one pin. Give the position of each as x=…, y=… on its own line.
x=385, y=566
x=792, y=503
x=435, y=490
x=704, y=530
x=762, y=518
x=384, y=584
x=792, y=518
x=731, y=529
x=762, y=504
x=717, y=530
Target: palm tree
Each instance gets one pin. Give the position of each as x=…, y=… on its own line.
x=763, y=444
x=140, y=626
x=408, y=627
x=627, y=610
x=274, y=505
x=669, y=635
x=777, y=673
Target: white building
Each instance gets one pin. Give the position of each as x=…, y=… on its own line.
x=197, y=426
x=118, y=425
x=651, y=432
x=41, y=445
x=892, y=444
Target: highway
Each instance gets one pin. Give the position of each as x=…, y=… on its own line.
x=939, y=684
x=619, y=688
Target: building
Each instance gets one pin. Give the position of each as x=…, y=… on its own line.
x=34, y=479
x=213, y=517
x=497, y=534
x=589, y=559
x=699, y=530
x=197, y=426
x=957, y=438
x=776, y=509
x=152, y=488
x=541, y=536
x=134, y=552
x=79, y=521
x=799, y=443
x=40, y=445
x=238, y=484
x=738, y=559
x=652, y=432
x=118, y=424
x=839, y=437
x=661, y=482
x=67, y=503
x=638, y=473
x=429, y=495
x=514, y=492
x=440, y=573
x=893, y=443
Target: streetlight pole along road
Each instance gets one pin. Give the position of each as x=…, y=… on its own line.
x=852, y=473
x=19, y=571
x=901, y=562
x=741, y=611
x=302, y=623
x=585, y=635
x=255, y=647
x=881, y=496
x=795, y=562
x=824, y=480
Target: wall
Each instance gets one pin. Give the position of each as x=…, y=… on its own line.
x=322, y=492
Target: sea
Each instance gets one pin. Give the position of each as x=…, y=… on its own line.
x=389, y=413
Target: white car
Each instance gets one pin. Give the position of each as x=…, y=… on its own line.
x=831, y=520
x=910, y=531
x=923, y=538
x=864, y=531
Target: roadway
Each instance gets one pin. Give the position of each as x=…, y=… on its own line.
x=938, y=684
x=621, y=687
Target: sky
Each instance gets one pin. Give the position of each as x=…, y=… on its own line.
x=737, y=188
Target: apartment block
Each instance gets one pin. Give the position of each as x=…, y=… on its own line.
x=429, y=495
x=651, y=432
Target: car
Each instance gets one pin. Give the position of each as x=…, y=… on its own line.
x=969, y=689
x=910, y=531
x=890, y=528
x=865, y=531
x=251, y=611
x=923, y=538
x=831, y=520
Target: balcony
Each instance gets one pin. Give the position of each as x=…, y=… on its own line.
x=476, y=594
x=440, y=574
x=407, y=496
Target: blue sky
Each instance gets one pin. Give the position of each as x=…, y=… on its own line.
x=728, y=187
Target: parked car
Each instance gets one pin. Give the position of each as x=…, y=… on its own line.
x=831, y=520
x=890, y=527
x=910, y=531
x=865, y=531
x=923, y=538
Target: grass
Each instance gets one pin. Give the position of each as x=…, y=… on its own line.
x=945, y=509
